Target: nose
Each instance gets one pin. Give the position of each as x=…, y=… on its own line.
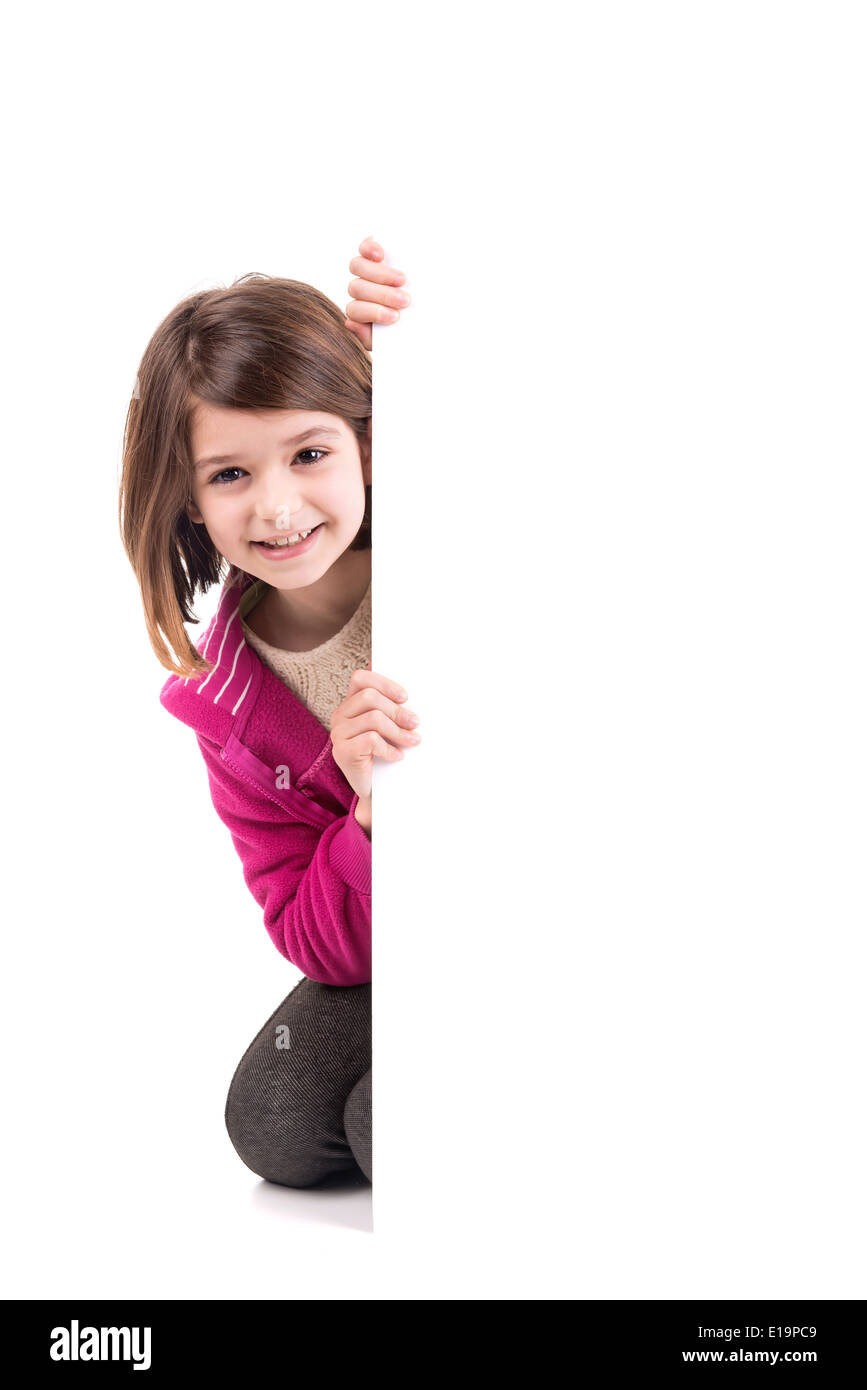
x=278, y=494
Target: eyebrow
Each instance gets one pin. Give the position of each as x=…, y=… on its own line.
x=315, y=432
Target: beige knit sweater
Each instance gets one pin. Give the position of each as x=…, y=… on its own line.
x=319, y=677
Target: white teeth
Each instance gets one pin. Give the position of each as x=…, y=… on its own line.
x=293, y=540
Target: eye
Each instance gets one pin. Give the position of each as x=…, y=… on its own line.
x=221, y=480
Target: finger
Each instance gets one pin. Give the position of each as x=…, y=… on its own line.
x=378, y=293
x=389, y=728
x=384, y=749
x=372, y=270
x=372, y=250
x=370, y=710
x=351, y=737
x=363, y=699
x=368, y=743
x=361, y=331
x=361, y=311
x=361, y=679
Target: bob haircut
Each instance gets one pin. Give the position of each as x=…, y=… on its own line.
x=263, y=343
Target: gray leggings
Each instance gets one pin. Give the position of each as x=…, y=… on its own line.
x=299, y=1106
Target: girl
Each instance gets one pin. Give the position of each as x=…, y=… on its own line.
x=247, y=445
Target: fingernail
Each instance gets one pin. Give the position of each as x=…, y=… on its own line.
x=411, y=719
x=391, y=316
x=402, y=298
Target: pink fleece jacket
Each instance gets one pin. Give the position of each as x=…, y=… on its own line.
x=288, y=806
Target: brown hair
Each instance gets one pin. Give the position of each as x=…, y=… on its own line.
x=265, y=343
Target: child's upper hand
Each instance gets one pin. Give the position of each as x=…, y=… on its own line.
x=374, y=298
x=370, y=723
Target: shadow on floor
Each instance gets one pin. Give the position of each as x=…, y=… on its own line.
x=341, y=1199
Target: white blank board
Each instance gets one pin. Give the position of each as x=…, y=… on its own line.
x=619, y=890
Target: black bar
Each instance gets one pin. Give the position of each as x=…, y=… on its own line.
x=612, y=1336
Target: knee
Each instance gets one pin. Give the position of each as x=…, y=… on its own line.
x=268, y=1122
x=285, y=1106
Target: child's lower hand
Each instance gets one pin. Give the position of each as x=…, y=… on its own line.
x=370, y=723
x=374, y=298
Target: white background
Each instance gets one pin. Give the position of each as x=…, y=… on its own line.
x=619, y=888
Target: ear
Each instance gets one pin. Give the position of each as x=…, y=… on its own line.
x=193, y=513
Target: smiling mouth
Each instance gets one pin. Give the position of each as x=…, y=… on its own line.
x=295, y=539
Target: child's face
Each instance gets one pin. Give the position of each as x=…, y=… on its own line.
x=269, y=483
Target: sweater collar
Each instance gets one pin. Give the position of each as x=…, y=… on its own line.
x=219, y=702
